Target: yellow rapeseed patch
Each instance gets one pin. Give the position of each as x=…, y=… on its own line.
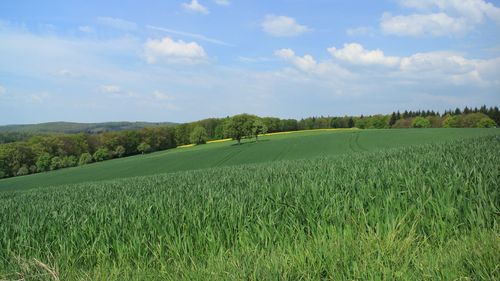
x=314, y=130
x=222, y=140
x=274, y=134
x=186, y=145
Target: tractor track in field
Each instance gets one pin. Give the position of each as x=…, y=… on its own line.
x=227, y=157
x=354, y=144
x=284, y=151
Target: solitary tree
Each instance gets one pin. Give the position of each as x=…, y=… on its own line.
x=258, y=128
x=198, y=135
x=239, y=126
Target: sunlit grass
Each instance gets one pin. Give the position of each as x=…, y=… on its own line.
x=427, y=212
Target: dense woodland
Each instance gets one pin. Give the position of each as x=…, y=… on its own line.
x=25, y=153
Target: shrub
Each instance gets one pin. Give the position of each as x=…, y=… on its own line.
x=23, y=171
x=486, y=123
x=119, y=151
x=56, y=163
x=101, y=154
x=421, y=122
x=68, y=161
x=85, y=158
x=450, y=122
x=144, y=148
x=43, y=162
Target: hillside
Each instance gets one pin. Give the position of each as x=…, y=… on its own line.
x=298, y=145
x=71, y=127
x=420, y=212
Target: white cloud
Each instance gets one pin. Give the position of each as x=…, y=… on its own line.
x=222, y=2
x=356, y=54
x=195, y=7
x=305, y=63
x=86, y=29
x=440, y=17
x=110, y=89
x=118, y=23
x=308, y=64
x=282, y=26
x=191, y=35
x=431, y=68
x=475, y=11
x=436, y=24
x=170, y=51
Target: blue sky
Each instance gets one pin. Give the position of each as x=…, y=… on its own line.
x=92, y=61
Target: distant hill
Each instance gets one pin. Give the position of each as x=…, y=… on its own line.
x=74, y=128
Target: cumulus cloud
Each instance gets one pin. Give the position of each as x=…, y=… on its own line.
x=308, y=64
x=439, y=17
x=195, y=7
x=427, y=68
x=356, y=54
x=282, y=26
x=222, y=2
x=305, y=63
x=118, y=23
x=436, y=24
x=170, y=51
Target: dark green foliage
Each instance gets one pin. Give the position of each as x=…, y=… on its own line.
x=119, y=151
x=23, y=171
x=199, y=135
x=85, y=158
x=43, y=162
x=239, y=126
x=258, y=127
x=144, y=148
x=101, y=154
x=56, y=163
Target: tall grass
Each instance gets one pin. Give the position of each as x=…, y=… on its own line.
x=428, y=212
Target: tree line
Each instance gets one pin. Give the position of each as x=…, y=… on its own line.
x=41, y=153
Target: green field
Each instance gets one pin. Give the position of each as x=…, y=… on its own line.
x=279, y=147
x=361, y=205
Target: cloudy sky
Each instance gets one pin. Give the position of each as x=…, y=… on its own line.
x=183, y=60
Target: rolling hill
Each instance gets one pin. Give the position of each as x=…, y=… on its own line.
x=72, y=127
x=297, y=145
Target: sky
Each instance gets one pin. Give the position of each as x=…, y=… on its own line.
x=185, y=60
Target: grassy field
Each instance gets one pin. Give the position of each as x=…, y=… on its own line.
x=424, y=212
x=307, y=144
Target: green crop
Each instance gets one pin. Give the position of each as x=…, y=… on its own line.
x=307, y=144
x=425, y=212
